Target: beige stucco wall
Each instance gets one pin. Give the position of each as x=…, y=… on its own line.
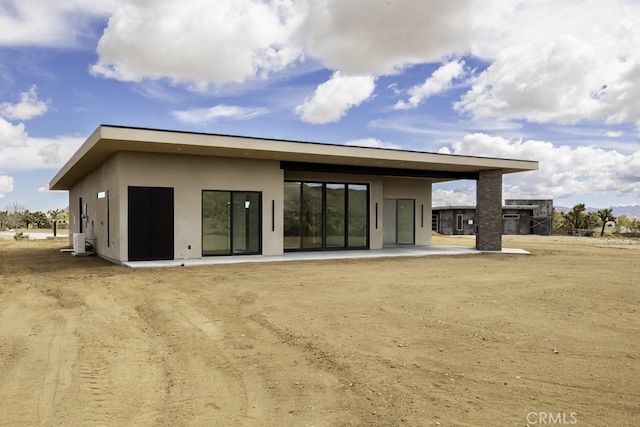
x=95, y=224
x=188, y=176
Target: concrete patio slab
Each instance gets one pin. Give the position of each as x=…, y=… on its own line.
x=406, y=251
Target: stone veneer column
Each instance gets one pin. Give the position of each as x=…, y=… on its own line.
x=489, y=211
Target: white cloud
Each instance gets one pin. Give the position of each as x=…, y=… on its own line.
x=19, y=151
x=12, y=135
x=6, y=184
x=547, y=61
x=459, y=195
x=615, y=134
x=333, y=98
x=50, y=23
x=28, y=107
x=203, y=115
x=440, y=80
x=564, y=171
x=197, y=42
x=372, y=143
x=579, y=63
x=383, y=37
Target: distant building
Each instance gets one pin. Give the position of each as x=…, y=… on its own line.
x=518, y=217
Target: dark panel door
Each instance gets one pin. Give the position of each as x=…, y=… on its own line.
x=150, y=223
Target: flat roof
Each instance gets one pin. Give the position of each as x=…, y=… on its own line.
x=107, y=140
x=470, y=207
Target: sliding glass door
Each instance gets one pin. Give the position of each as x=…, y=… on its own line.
x=311, y=215
x=398, y=222
x=336, y=215
x=246, y=218
x=357, y=215
x=292, y=215
x=325, y=215
x=406, y=218
x=389, y=222
x=216, y=222
x=230, y=222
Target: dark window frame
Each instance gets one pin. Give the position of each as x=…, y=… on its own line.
x=413, y=210
x=231, y=251
x=324, y=246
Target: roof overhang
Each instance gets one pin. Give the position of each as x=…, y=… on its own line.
x=473, y=207
x=107, y=140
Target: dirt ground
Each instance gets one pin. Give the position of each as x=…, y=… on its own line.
x=475, y=340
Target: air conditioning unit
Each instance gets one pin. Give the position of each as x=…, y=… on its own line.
x=79, y=243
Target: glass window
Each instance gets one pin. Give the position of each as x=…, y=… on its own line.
x=399, y=219
x=246, y=222
x=325, y=215
x=389, y=224
x=358, y=216
x=231, y=222
x=406, y=221
x=336, y=213
x=216, y=222
x=292, y=198
x=312, y=215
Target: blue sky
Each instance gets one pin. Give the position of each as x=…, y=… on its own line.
x=557, y=82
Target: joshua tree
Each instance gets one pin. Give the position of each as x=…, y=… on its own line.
x=605, y=215
x=4, y=218
x=575, y=217
x=55, y=213
x=38, y=218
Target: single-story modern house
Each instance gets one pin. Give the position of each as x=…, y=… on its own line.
x=147, y=194
x=518, y=217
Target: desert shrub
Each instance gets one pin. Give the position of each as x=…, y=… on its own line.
x=629, y=234
x=20, y=236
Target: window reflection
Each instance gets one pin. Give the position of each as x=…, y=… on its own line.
x=325, y=215
x=231, y=222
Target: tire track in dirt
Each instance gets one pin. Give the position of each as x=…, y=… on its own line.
x=355, y=396
x=52, y=380
x=297, y=379
x=92, y=383
x=116, y=379
x=319, y=344
x=199, y=374
x=36, y=366
x=28, y=398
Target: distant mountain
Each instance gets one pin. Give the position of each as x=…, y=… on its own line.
x=632, y=211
